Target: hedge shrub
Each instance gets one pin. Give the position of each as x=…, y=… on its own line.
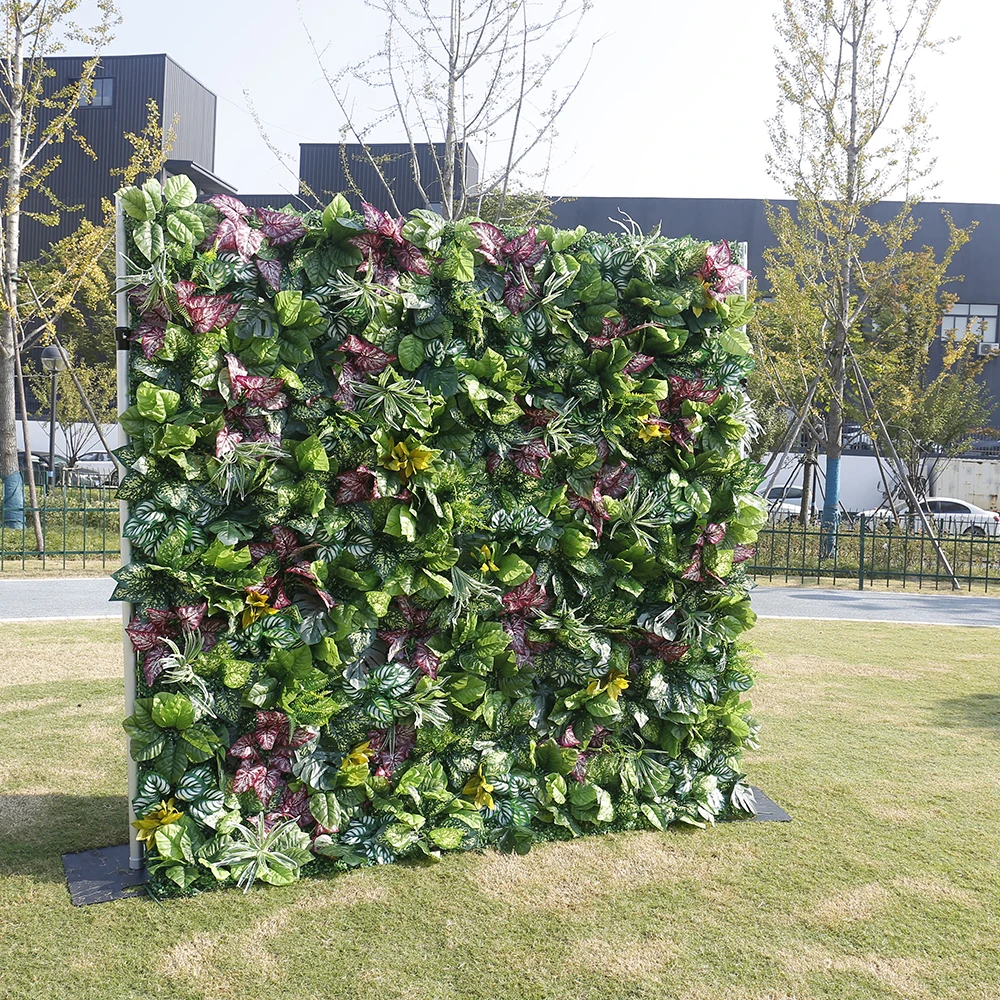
x=436, y=534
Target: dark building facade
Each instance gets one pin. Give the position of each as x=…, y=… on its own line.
x=123, y=87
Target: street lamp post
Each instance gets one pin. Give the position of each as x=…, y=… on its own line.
x=54, y=360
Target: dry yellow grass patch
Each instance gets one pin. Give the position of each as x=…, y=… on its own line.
x=906, y=976
x=59, y=651
x=201, y=960
x=572, y=875
x=633, y=959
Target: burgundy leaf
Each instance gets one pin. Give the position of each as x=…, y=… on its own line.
x=248, y=776
x=366, y=358
x=190, y=615
x=270, y=271
x=359, y=486
x=694, y=571
x=226, y=442
x=535, y=417
x=637, y=363
x=513, y=297
x=614, y=483
x=244, y=748
x=260, y=549
x=410, y=258
x=260, y=391
x=228, y=206
x=272, y=727
x=714, y=533
x=151, y=333
x=529, y=596
x=152, y=663
x=426, y=660
x=492, y=462
x=146, y=635
x=526, y=457
x=741, y=553
x=521, y=248
x=286, y=542
x=491, y=242
x=382, y=222
x=280, y=227
x=206, y=312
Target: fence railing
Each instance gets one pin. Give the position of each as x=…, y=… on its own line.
x=79, y=530
x=873, y=553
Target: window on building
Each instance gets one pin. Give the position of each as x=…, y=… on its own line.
x=103, y=95
x=982, y=316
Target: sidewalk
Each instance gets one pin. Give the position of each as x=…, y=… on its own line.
x=22, y=600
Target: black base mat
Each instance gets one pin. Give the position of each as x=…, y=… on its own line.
x=768, y=811
x=102, y=875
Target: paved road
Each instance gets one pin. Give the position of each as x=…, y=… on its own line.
x=70, y=598
x=872, y=605
x=76, y=598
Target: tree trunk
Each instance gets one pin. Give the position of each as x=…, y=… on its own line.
x=449, y=209
x=13, y=489
x=808, y=464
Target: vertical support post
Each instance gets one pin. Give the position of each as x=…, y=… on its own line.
x=861, y=556
x=122, y=330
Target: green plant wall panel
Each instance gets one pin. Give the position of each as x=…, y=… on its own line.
x=436, y=535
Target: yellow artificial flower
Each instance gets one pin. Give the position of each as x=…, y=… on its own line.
x=478, y=789
x=407, y=461
x=653, y=428
x=163, y=815
x=361, y=754
x=617, y=682
x=488, y=566
x=258, y=606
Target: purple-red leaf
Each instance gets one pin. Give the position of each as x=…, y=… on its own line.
x=270, y=271
x=280, y=227
x=228, y=206
x=359, y=486
x=491, y=242
x=410, y=258
x=366, y=358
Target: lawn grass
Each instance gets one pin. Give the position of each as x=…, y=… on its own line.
x=883, y=741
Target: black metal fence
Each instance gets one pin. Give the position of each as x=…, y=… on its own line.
x=874, y=553
x=79, y=530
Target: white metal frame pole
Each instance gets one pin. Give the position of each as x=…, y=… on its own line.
x=136, y=858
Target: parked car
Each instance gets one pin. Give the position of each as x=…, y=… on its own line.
x=949, y=515
x=94, y=468
x=783, y=502
x=40, y=465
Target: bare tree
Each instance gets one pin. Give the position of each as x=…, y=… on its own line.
x=850, y=131
x=457, y=73
x=38, y=117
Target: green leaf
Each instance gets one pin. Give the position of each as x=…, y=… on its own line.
x=180, y=192
x=410, y=352
x=311, y=456
x=155, y=403
x=446, y=837
x=400, y=523
x=137, y=204
x=175, y=438
x=172, y=711
x=327, y=810
x=288, y=304
x=735, y=341
x=513, y=570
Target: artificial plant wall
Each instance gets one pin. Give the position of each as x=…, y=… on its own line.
x=436, y=532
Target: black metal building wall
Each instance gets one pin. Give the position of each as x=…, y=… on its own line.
x=322, y=167
x=81, y=181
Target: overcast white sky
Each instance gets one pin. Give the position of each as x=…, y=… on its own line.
x=674, y=104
